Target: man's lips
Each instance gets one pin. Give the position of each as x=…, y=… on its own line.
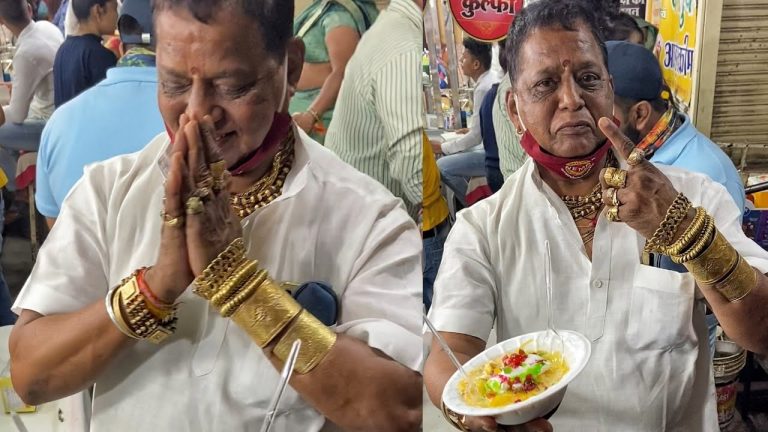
x=574, y=127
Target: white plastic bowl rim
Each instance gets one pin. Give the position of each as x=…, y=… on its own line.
x=577, y=349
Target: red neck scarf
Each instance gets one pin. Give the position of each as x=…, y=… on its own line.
x=571, y=168
x=281, y=124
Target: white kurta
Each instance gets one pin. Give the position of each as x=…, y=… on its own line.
x=331, y=224
x=650, y=367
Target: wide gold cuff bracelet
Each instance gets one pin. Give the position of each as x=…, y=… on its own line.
x=715, y=263
x=316, y=341
x=266, y=312
x=739, y=283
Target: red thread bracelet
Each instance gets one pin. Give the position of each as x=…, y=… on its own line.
x=146, y=291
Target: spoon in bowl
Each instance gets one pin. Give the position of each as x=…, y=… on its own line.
x=552, y=333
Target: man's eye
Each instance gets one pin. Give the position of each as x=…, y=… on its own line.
x=590, y=78
x=545, y=84
x=174, y=88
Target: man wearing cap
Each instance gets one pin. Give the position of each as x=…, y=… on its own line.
x=649, y=119
x=117, y=116
x=667, y=136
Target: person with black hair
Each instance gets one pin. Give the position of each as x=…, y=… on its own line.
x=148, y=285
x=622, y=27
x=488, y=131
x=83, y=60
x=592, y=201
x=465, y=157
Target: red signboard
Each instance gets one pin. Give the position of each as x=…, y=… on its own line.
x=485, y=20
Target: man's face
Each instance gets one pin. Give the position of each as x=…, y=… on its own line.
x=468, y=63
x=563, y=88
x=108, y=20
x=222, y=69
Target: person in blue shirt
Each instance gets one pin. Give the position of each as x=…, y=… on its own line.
x=666, y=134
x=82, y=60
x=117, y=116
x=641, y=104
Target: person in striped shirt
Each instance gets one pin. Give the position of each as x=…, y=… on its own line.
x=377, y=122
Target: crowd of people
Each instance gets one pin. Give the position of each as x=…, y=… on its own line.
x=222, y=179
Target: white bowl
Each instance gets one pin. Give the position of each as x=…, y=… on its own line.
x=577, y=350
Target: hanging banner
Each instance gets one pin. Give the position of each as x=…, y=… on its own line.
x=485, y=20
x=635, y=8
x=676, y=46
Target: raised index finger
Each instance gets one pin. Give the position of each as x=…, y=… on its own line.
x=621, y=143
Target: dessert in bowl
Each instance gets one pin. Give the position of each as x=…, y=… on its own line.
x=519, y=379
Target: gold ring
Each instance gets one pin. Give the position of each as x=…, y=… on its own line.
x=195, y=205
x=205, y=182
x=615, y=177
x=220, y=183
x=202, y=192
x=636, y=157
x=613, y=195
x=217, y=169
x=613, y=214
x=170, y=222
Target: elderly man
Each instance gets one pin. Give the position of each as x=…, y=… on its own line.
x=236, y=182
x=650, y=367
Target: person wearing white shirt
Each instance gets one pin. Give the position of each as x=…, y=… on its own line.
x=31, y=104
x=464, y=157
x=116, y=274
x=608, y=214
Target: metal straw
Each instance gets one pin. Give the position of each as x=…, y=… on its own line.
x=285, y=376
x=445, y=347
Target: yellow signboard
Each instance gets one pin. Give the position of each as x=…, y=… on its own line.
x=676, y=45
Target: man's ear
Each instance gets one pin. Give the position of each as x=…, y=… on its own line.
x=295, y=51
x=512, y=112
x=641, y=114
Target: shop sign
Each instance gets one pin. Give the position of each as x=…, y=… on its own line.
x=636, y=8
x=485, y=20
x=676, y=46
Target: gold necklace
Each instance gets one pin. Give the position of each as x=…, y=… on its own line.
x=269, y=187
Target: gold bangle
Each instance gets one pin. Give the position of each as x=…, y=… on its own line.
x=119, y=320
x=219, y=269
x=316, y=341
x=453, y=418
x=716, y=262
x=313, y=113
x=266, y=313
x=689, y=235
x=701, y=243
x=234, y=283
x=668, y=228
x=739, y=283
x=250, y=287
x=140, y=321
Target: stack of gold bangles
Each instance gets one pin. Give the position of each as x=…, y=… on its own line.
x=238, y=289
x=137, y=313
x=704, y=251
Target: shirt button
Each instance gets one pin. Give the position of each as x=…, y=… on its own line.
x=597, y=284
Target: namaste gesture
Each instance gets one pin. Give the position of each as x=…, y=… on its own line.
x=198, y=222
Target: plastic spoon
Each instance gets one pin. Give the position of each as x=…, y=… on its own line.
x=550, y=316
